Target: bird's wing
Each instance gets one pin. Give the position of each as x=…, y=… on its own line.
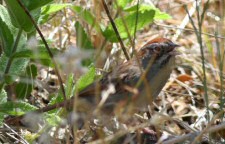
x=120, y=76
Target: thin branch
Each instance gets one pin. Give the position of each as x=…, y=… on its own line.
x=200, y=135
x=191, y=20
x=185, y=21
x=115, y=29
x=189, y=29
x=199, y=38
x=110, y=138
x=191, y=136
x=136, y=21
x=221, y=62
x=200, y=41
x=126, y=28
x=15, y=133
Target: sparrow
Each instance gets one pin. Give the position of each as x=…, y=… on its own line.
x=136, y=82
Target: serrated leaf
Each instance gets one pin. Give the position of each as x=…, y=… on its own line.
x=3, y=96
x=81, y=83
x=16, y=108
x=87, y=17
x=34, y=4
x=45, y=62
x=86, y=79
x=82, y=40
x=70, y=85
x=4, y=14
x=38, y=53
x=143, y=7
x=144, y=18
x=19, y=18
x=53, y=119
x=123, y=3
x=24, y=87
x=6, y=38
x=53, y=8
x=47, y=10
x=16, y=68
x=2, y=116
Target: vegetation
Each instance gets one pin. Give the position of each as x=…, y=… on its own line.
x=51, y=49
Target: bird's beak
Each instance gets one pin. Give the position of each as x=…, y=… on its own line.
x=173, y=51
x=175, y=45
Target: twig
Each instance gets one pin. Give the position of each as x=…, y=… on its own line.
x=189, y=29
x=191, y=136
x=115, y=29
x=184, y=22
x=120, y=133
x=126, y=28
x=136, y=21
x=16, y=133
x=207, y=127
x=221, y=62
x=199, y=38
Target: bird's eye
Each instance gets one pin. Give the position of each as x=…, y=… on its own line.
x=157, y=49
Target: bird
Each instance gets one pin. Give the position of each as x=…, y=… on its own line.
x=147, y=73
x=136, y=82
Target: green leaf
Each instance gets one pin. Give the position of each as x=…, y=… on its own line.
x=3, y=96
x=144, y=18
x=53, y=119
x=4, y=14
x=123, y=3
x=6, y=31
x=82, y=40
x=86, y=79
x=34, y=4
x=143, y=7
x=70, y=85
x=2, y=116
x=19, y=18
x=50, y=9
x=16, y=108
x=6, y=38
x=46, y=62
x=87, y=62
x=24, y=87
x=53, y=8
x=82, y=82
x=38, y=53
x=70, y=88
x=86, y=16
x=17, y=67
x=161, y=15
